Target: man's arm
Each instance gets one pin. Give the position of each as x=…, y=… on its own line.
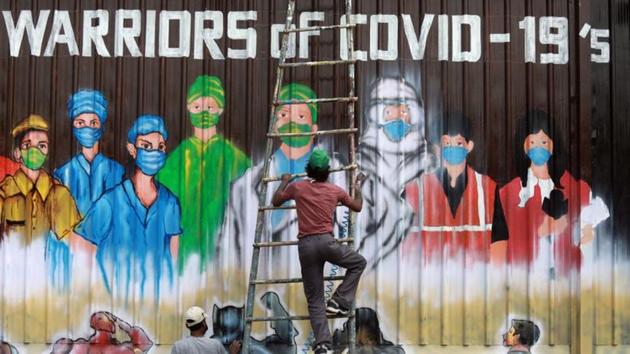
x=356, y=204
x=279, y=197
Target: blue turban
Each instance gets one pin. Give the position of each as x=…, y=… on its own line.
x=88, y=101
x=147, y=124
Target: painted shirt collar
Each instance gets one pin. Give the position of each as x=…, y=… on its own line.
x=527, y=192
x=286, y=165
x=43, y=185
x=85, y=164
x=142, y=212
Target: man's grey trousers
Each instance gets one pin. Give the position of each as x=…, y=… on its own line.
x=315, y=251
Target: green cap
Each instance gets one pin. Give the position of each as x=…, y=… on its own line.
x=207, y=86
x=319, y=159
x=300, y=92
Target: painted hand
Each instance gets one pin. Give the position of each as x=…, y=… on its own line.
x=361, y=177
x=588, y=234
x=235, y=347
x=286, y=177
x=551, y=226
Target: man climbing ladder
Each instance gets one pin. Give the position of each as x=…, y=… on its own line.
x=316, y=200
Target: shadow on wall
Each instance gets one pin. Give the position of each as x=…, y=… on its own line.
x=369, y=339
x=102, y=340
x=228, y=325
x=6, y=348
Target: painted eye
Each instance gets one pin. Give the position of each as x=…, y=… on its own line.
x=301, y=116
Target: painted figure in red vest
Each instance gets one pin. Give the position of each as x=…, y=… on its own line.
x=452, y=206
x=545, y=214
x=7, y=167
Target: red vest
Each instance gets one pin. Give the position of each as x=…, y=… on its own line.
x=523, y=223
x=7, y=167
x=436, y=230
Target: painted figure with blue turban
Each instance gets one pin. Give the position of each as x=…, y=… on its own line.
x=200, y=172
x=89, y=173
x=135, y=225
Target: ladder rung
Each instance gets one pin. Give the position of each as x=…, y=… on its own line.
x=317, y=100
x=284, y=207
x=317, y=133
x=338, y=169
x=316, y=63
x=294, y=243
x=290, y=280
x=317, y=28
x=291, y=318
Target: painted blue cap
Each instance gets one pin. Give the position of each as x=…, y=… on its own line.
x=147, y=124
x=88, y=101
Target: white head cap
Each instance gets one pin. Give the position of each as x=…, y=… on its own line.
x=194, y=316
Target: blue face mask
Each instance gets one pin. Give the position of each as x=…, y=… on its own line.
x=539, y=155
x=150, y=161
x=454, y=155
x=396, y=130
x=87, y=136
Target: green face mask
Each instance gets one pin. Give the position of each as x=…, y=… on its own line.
x=33, y=158
x=295, y=141
x=204, y=119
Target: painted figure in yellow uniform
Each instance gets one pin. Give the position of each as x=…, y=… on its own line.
x=37, y=214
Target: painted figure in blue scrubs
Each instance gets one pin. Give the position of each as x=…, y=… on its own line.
x=135, y=224
x=89, y=173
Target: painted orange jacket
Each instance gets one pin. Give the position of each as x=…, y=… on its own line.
x=436, y=230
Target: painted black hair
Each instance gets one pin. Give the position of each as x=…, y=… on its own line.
x=533, y=122
x=320, y=175
x=528, y=332
x=456, y=123
x=451, y=124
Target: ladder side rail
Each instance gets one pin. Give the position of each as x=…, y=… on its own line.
x=352, y=150
x=251, y=289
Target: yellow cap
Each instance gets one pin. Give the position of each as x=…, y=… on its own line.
x=31, y=122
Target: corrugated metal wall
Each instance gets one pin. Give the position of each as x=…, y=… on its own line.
x=437, y=304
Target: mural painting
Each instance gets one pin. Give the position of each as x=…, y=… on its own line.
x=290, y=157
x=204, y=159
x=105, y=325
x=6, y=348
x=370, y=339
x=130, y=177
x=228, y=324
x=392, y=151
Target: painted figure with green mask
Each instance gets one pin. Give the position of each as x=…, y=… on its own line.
x=199, y=172
x=291, y=157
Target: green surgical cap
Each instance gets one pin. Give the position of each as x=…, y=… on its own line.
x=207, y=86
x=319, y=159
x=300, y=92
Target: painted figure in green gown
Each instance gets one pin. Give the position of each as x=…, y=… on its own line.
x=199, y=172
